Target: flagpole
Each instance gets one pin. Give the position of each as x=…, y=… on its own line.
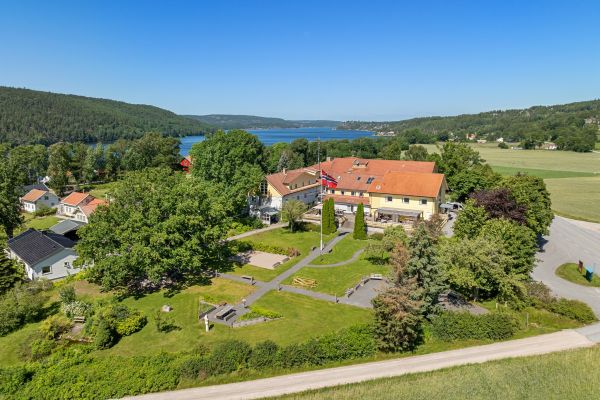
x=321, y=192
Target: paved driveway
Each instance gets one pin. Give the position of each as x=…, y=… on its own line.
x=570, y=241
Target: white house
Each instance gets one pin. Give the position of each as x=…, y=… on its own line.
x=37, y=199
x=79, y=206
x=44, y=254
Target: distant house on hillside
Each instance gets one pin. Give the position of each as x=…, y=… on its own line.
x=36, y=199
x=549, y=146
x=79, y=206
x=471, y=136
x=186, y=163
x=44, y=254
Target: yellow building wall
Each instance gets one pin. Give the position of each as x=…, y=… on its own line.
x=379, y=200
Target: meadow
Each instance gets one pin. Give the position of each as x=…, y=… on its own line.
x=573, y=179
x=566, y=375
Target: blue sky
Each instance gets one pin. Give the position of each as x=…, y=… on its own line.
x=373, y=60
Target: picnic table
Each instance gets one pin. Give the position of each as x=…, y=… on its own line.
x=225, y=313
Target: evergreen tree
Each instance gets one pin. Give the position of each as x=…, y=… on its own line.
x=398, y=317
x=423, y=266
x=328, y=211
x=10, y=206
x=10, y=273
x=360, y=229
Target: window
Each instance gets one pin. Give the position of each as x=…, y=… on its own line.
x=424, y=202
x=370, y=179
x=46, y=270
x=45, y=197
x=304, y=195
x=358, y=178
x=360, y=194
x=343, y=193
x=353, y=193
x=389, y=199
x=332, y=191
x=67, y=265
x=406, y=200
x=298, y=197
x=263, y=188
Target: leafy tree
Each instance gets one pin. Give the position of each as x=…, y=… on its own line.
x=393, y=150
x=10, y=206
x=29, y=162
x=500, y=203
x=292, y=212
x=456, y=158
x=11, y=273
x=360, y=229
x=467, y=181
x=161, y=229
x=88, y=171
x=236, y=158
x=530, y=192
x=379, y=252
x=423, y=266
x=470, y=220
x=397, y=310
x=518, y=241
x=59, y=160
x=152, y=150
x=416, y=153
x=477, y=269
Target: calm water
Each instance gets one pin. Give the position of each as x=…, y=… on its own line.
x=270, y=136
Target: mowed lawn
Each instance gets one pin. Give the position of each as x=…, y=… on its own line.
x=342, y=251
x=570, y=375
x=335, y=280
x=570, y=272
x=303, y=317
x=577, y=198
x=303, y=241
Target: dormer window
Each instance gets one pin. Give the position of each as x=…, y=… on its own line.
x=370, y=179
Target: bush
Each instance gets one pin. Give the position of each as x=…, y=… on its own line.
x=41, y=348
x=22, y=304
x=351, y=343
x=105, y=336
x=539, y=294
x=67, y=294
x=76, y=309
x=264, y=355
x=573, y=309
x=229, y=356
x=164, y=322
x=376, y=236
x=462, y=325
x=257, y=312
x=240, y=245
x=502, y=145
x=54, y=326
x=193, y=367
x=44, y=211
x=133, y=323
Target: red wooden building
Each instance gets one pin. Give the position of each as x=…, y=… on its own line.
x=186, y=163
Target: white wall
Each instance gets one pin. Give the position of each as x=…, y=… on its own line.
x=57, y=265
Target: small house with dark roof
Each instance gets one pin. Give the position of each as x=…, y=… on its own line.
x=44, y=254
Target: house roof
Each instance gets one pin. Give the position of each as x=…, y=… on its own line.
x=33, y=195
x=38, y=186
x=90, y=207
x=34, y=246
x=354, y=173
x=66, y=226
x=348, y=199
x=281, y=179
x=75, y=198
x=408, y=183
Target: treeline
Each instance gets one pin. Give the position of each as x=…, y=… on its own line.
x=34, y=117
x=228, y=121
x=571, y=126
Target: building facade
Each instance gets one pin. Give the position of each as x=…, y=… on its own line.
x=37, y=199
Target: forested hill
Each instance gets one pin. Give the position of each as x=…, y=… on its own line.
x=227, y=121
x=29, y=116
x=572, y=126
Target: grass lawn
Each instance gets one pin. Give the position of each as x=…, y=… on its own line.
x=303, y=241
x=542, y=173
x=568, y=375
x=40, y=223
x=303, y=317
x=100, y=190
x=342, y=251
x=576, y=197
x=336, y=280
x=570, y=272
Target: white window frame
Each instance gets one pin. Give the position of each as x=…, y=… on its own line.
x=389, y=199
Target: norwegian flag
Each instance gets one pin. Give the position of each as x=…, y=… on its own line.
x=328, y=180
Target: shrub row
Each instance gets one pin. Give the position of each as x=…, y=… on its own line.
x=257, y=312
x=268, y=248
x=541, y=297
x=462, y=325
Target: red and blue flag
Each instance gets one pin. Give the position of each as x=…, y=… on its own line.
x=328, y=180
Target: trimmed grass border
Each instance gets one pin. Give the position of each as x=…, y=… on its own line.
x=570, y=272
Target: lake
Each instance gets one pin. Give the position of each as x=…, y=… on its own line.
x=271, y=136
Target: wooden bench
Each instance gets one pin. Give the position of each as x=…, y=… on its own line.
x=250, y=278
x=376, y=277
x=79, y=319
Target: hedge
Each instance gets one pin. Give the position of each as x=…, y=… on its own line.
x=462, y=325
x=573, y=309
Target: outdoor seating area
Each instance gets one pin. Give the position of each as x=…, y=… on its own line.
x=260, y=259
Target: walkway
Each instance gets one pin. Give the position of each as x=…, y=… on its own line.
x=339, y=264
x=285, y=384
x=257, y=231
x=570, y=241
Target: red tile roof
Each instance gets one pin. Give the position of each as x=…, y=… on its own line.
x=33, y=195
x=75, y=198
x=353, y=173
x=280, y=180
x=408, y=183
x=90, y=207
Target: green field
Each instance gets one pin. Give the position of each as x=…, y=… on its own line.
x=571, y=273
x=573, y=179
x=335, y=280
x=100, y=191
x=343, y=250
x=569, y=375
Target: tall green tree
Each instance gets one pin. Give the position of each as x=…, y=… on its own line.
x=292, y=212
x=161, y=229
x=398, y=310
x=29, y=162
x=470, y=221
x=236, y=158
x=416, y=152
x=423, y=266
x=10, y=206
x=360, y=229
x=328, y=211
x=59, y=160
x=11, y=273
